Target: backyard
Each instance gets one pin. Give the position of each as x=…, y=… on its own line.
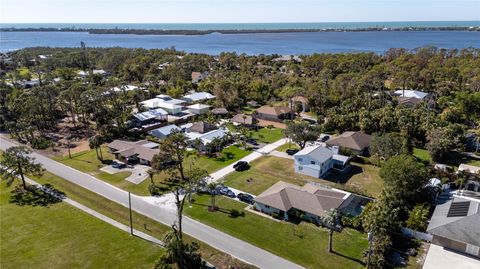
x=61, y=236
x=87, y=162
x=304, y=243
x=266, y=171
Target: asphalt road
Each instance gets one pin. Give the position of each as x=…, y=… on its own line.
x=215, y=238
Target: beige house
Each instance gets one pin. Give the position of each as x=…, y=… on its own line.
x=134, y=152
x=355, y=142
x=275, y=113
x=284, y=201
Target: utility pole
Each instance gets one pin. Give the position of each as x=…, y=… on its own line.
x=370, y=237
x=130, y=210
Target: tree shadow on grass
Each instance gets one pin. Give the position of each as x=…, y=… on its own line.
x=350, y=258
x=232, y=213
x=36, y=196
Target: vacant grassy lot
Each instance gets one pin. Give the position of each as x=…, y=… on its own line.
x=266, y=171
x=87, y=162
x=121, y=214
x=304, y=243
x=61, y=236
x=286, y=146
x=268, y=135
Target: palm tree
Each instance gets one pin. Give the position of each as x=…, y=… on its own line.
x=95, y=142
x=151, y=172
x=213, y=191
x=332, y=221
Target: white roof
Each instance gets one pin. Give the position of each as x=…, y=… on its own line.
x=164, y=131
x=151, y=114
x=175, y=101
x=207, y=137
x=82, y=73
x=126, y=88
x=469, y=168
x=157, y=102
x=199, y=96
x=411, y=93
x=198, y=106
x=319, y=153
x=99, y=71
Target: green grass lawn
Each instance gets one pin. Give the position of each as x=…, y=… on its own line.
x=61, y=236
x=266, y=171
x=87, y=162
x=286, y=146
x=422, y=154
x=304, y=243
x=474, y=162
x=121, y=214
x=247, y=110
x=268, y=135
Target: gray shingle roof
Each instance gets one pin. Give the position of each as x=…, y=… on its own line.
x=466, y=230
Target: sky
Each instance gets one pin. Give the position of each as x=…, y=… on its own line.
x=235, y=11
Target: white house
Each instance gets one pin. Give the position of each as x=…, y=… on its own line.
x=316, y=161
x=126, y=88
x=198, y=109
x=154, y=114
x=165, y=131
x=411, y=94
x=198, y=96
x=172, y=109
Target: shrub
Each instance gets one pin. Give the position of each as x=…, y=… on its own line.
x=41, y=143
x=235, y=213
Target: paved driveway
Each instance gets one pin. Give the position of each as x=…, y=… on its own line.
x=237, y=248
x=440, y=258
x=139, y=172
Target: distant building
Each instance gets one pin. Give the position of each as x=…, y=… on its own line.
x=219, y=111
x=172, y=109
x=354, y=142
x=411, y=94
x=275, y=113
x=317, y=161
x=195, y=97
x=164, y=132
x=299, y=99
x=149, y=117
x=134, y=152
x=242, y=119
x=198, y=76
x=198, y=109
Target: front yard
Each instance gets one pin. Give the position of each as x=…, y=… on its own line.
x=266, y=171
x=87, y=162
x=268, y=135
x=304, y=243
x=61, y=236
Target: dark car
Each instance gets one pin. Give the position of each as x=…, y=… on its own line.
x=325, y=138
x=291, y=151
x=247, y=198
x=240, y=166
x=230, y=194
x=252, y=141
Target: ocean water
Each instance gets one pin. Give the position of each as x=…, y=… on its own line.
x=252, y=44
x=248, y=26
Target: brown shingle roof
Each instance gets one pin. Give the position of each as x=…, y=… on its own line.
x=351, y=140
x=274, y=110
x=128, y=148
x=309, y=198
x=244, y=119
x=202, y=127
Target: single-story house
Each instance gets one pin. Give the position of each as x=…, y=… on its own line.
x=409, y=101
x=126, y=88
x=284, y=200
x=170, y=100
x=355, y=142
x=411, y=93
x=195, y=97
x=316, y=161
x=242, y=119
x=252, y=104
x=219, y=111
x=201, y=127
x=132, y=152
x=455, y=225
x=199, y=140
x=198, y=109
x=172, y=109
x=198, y=76
x=150, y=116
x=165, y=131
x=275, y=113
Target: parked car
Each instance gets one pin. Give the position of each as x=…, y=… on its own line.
x=247, y=198
x=241, y=166
x=324, y=138
x=252, y=141
x=291, y=151
x=230, y=194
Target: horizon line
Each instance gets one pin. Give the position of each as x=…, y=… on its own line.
x=244, y=22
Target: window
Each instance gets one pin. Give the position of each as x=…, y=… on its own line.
x=300, y=168
x=266, y=206
x=312, y=162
